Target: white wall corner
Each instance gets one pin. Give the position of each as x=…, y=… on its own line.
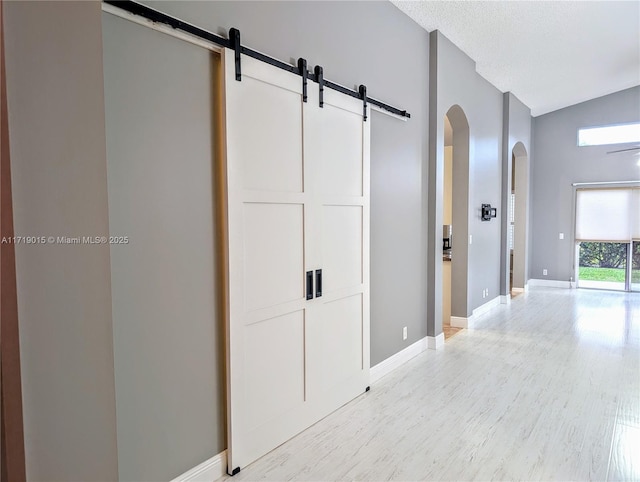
x=461, y=322
x=505, y=299
x=208, y=471
x=394, y=361
x=435, y=342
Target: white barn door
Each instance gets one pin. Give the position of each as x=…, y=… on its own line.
x=337, y=147
x=298, y=249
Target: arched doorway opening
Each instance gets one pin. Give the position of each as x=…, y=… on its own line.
x=456, y=205
x=518, y=219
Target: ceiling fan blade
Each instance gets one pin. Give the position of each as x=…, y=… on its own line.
x=624, y=150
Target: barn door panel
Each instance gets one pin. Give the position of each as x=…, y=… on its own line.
x=298, y=329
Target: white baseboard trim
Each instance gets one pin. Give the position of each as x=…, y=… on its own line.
x=461, y=322
x=505, y=299
x=482, y=309
x=550, y=283
x=394, y=361
x=468, y=322
x=208, y=471
x=435, y=342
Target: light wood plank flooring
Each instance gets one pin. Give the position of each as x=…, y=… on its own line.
x=546, y=388
x=450, y=331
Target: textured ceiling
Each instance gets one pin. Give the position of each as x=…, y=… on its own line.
x=550, y=54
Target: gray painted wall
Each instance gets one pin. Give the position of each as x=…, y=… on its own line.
x=559, y=162
x=56, y=116
x=167, y=320
x=456, y=82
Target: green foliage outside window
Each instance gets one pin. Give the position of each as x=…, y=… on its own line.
x=607, y=262
x=603, y=255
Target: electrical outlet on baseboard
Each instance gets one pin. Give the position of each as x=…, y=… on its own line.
x=544, y=272
x=404, y=333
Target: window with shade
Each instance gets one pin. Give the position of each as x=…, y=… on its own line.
x=608, y=237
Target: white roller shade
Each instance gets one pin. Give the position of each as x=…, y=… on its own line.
x=606, y=214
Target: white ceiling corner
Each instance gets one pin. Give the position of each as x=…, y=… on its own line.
x=549, y=54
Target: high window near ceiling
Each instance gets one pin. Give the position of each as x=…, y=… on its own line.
x=612, y=134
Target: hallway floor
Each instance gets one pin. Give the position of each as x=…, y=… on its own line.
x=450, y=331
x=546, y=388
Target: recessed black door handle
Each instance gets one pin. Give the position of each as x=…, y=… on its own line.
x=318, y=283
x=309, y=285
